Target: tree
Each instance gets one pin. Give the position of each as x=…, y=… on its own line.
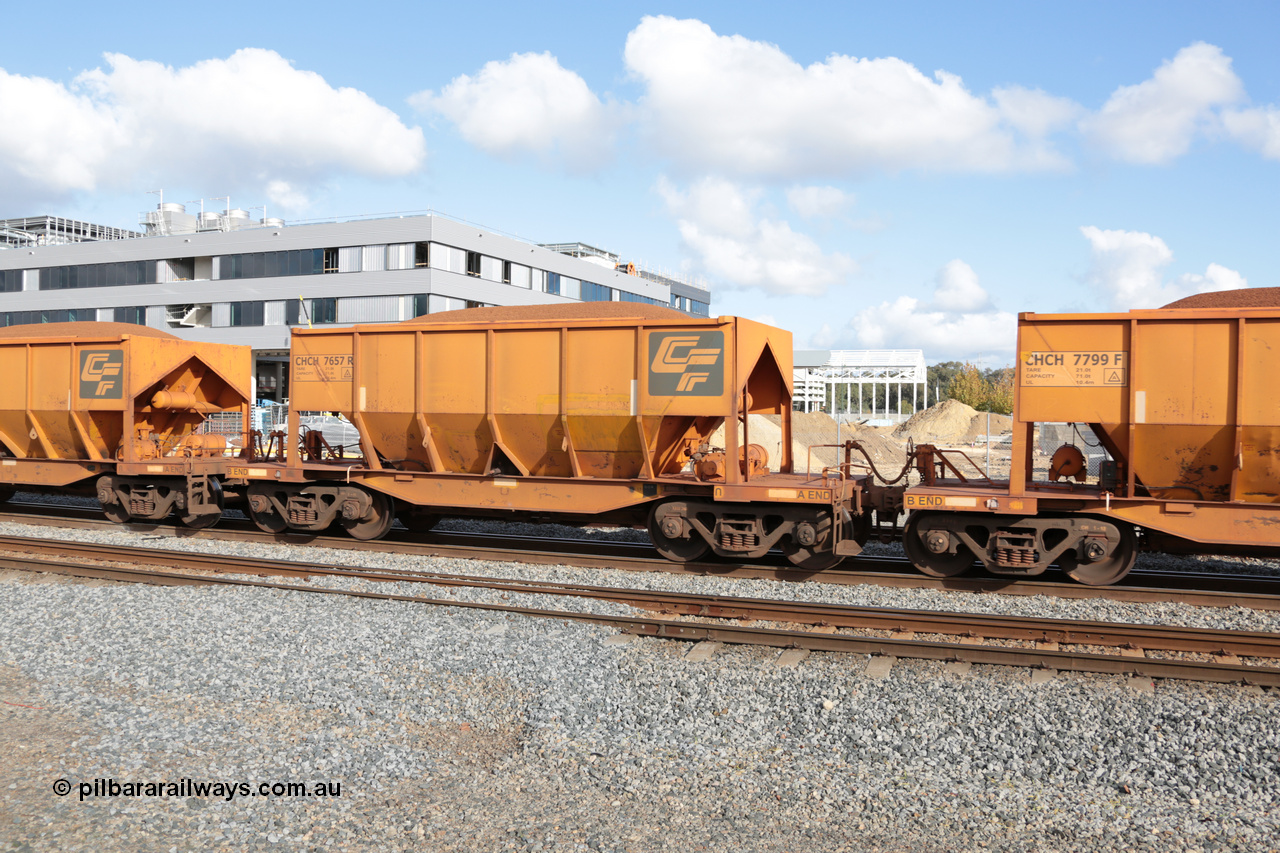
x=969, y=386
x=987, y=391
x=1000, y=395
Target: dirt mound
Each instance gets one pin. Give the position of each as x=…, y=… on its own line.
x=563, y=311
x=1246, y=297
x=83, y=329
x=816, y=428
x=950, y=421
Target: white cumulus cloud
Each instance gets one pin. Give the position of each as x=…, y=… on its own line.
x=817, y=202
x=238, y=122
x=283, y=194
x=736, y=105
x=1155, y=121
x=1258, y=128
x=732, y=241
x=957, y=322
x=528, y=103
x=1127, y=269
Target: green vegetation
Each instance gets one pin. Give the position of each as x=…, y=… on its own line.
x=985, y=390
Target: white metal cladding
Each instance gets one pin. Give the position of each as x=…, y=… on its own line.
x=373, y=258
x=448, y=258
x=31, y=280
x=215, y=267
x=349, y=258
x=156, y=317
x=400, y=256
x=538, y=280
x=520, y=276
x=406, y=306
x=106, y=315
x=570, y=287
x=490, y=268
x=369, y=309
x=273, y=314
x=222, y=314
x=444, y=303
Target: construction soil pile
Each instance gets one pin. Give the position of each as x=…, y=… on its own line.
x=817, y=428
x=82, y=329
x=1248, y=297
x=567, y=311
x=951, y=422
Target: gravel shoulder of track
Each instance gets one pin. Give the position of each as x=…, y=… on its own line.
x=863, y=595
x=453, y=729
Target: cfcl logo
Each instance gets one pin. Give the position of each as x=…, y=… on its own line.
x=686, y=364
x=100, y=374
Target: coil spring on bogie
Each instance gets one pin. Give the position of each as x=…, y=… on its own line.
x=303, y=516
x=141, y=507
x=738, y=541
x=1017, y=556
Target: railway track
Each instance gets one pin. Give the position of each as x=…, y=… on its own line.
x=1202, y=589
x=967, y=637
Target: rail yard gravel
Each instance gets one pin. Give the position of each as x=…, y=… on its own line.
x=451, y=729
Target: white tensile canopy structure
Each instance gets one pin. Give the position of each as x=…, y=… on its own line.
x=835, y=384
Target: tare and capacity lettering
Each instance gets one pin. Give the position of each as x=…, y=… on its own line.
x=1100, y=369
x=322, y=368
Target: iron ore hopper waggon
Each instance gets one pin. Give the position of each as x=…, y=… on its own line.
x=585, y=413
x=1183, y=401
x=116, y=409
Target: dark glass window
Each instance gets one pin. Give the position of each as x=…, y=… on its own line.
x=330, y=260
x=506, y=272
x=98, y=275
x=624, y=296
x=473, y=263
x=422, y=254
x=592, y=292
x=474, y=304
x=421, y=303
x=10, y=281
x=134, y=315
x=246, y=313
x=553, y=283
x=292, y=310
x=324, y=310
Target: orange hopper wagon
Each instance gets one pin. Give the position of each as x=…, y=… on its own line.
x=118, y=407
x=585, y=412
x=1182, y=399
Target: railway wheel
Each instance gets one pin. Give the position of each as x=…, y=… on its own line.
x=416, y=519
x=810, y=559
x=929, y=552
x=1108, y=568
x=811, y=547
x=208, y=519
x=116, y=511
x=376, y=522
x=666, y=534
x=263, y=512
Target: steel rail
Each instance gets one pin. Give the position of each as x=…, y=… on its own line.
x=986, y=626
x=881, y=571
x=700, y=631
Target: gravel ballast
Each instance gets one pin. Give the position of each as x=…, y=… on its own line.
x=451, y=729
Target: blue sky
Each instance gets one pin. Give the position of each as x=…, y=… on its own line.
x=866, y=175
